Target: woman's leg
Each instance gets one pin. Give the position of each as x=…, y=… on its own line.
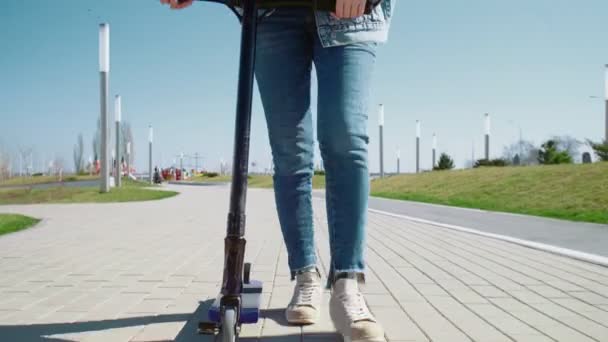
x=284, y=52
x=283, y=71
x=344, y=74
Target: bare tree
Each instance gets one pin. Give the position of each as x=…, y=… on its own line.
x=568, y=144
x=79, y=155
x=57, y=165
x=127, y=137
x=525, y=150
x=97, y=142
x=5, y=162
x=25, y=156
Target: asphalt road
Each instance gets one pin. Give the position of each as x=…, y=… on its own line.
x=579, y=236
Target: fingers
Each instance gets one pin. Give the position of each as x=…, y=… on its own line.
x=349, y=8
x=175, y=4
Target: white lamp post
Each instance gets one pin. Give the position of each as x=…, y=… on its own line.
x=418, y=132
x=104, y=69
x=150, y=139
x=487, y=130
x=128, y=158
x=118, y=114
x=381, y=127
x=606, y=108
x=434, y=148
x=398, y=161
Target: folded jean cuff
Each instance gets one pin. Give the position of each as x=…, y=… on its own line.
x=312, y=267
x=355, y=273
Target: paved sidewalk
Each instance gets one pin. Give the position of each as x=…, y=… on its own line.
x=147, y=271
x=579, y=236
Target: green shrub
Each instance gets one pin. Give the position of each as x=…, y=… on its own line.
x=37, y=174
x=493, y=162
x=211, y=174
x=600, y=149
x=549, y=154
x=445, y=162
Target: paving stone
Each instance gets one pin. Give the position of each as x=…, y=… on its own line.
x=151, y=276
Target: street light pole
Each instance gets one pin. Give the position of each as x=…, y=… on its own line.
x=434, y=148
x=128, y=159
x=398, y=161
x=118, y=113
x=381, y=126
x=104, y=69
x=418, y=131
x=150, y=139
x=487, y=122
x=606, y=104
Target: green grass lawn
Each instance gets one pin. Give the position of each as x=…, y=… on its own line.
x=258, y=181
x=572, y=192
x=130, y=191
x=205, y=179
x=12, y=222
x=44, y=179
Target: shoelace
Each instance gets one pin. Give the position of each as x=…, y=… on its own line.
x=356, y=308
x=306, y=294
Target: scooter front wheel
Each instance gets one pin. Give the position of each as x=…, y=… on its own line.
x=229, y=325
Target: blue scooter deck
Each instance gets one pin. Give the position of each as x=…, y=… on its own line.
x=251, y=299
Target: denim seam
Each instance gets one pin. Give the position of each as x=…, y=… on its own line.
x=295, y=271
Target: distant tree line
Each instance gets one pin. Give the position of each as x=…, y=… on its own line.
x=556, y=150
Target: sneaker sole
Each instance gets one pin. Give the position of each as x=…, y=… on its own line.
x=347, y=339
x=302, y=321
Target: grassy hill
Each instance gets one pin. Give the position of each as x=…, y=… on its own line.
x=572, y=192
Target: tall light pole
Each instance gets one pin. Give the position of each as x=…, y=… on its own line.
x=150, y=139
x=606, y=104
x=104, y=69
x=381, y=127
x=434, y=149
x=113, y=161
x=418, y=131
x=128, y=159
x=118, y=114
x=398, y=161
x=487, y=124
x=473, y=154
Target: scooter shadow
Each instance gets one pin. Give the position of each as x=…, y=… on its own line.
x=189, y=331
x=51, y=332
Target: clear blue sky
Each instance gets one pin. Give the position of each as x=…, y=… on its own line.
x=534, y=63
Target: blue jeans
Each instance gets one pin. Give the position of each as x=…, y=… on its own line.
x=287, y=46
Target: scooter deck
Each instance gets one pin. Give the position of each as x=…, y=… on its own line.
x=251, y=299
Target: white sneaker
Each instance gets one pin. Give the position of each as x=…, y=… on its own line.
x=350, y=313
x=306, y=301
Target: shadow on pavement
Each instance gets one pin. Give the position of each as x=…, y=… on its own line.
x=45, y=332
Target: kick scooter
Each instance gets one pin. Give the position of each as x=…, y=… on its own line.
x=239, y=300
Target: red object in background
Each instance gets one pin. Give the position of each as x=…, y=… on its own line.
x=178, y=174
x=165, y=173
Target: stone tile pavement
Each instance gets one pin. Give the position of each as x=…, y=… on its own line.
x=147, y=272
